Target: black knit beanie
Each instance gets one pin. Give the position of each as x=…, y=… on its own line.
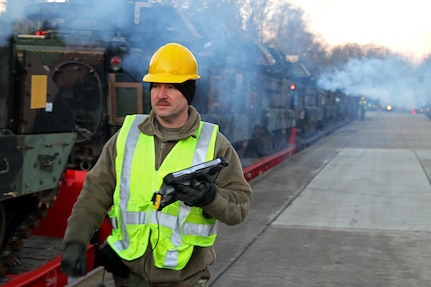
x=187, y=88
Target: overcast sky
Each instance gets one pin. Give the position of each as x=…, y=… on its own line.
x=401, y=25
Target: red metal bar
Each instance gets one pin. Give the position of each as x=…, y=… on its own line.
x=48, y=275
x=267, y=163
x=70, y=187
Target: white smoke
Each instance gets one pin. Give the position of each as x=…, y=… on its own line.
x=393, y=81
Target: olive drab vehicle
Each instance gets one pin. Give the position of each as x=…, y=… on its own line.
x=32, y=156
x=59, y=104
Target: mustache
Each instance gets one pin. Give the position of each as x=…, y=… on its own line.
x=163, y=102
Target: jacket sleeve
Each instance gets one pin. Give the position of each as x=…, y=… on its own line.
x=233, y=192
x=94, y=199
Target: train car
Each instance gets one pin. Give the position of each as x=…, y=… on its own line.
x=248, y=100
x=64, y=93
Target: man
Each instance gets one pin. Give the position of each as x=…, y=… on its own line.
x=174, y=246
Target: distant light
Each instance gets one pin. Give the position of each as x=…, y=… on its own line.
x=116, y=63
x=292, y=87
x=389, y=108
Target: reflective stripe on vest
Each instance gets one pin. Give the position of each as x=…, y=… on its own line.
x=186, y=225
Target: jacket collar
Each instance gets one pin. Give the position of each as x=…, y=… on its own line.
x=150, y=126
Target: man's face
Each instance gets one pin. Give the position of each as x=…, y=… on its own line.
x=169, y=104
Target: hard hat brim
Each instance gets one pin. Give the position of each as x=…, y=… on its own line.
x=168, y=78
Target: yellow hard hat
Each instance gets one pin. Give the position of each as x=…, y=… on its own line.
x=172, y=63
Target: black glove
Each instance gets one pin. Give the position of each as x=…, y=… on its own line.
x=74, y=262
x=199, y=192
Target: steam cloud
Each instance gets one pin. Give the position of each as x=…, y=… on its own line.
x=393, y=80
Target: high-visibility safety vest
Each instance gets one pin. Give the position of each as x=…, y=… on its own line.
x=177, y=228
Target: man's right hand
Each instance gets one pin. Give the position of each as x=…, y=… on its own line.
x=199, y=192
x=74, y=262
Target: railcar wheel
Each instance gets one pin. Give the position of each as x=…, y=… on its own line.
x=18, y=217
x=263, y=141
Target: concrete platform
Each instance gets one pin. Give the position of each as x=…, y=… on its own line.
x=351, y=210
